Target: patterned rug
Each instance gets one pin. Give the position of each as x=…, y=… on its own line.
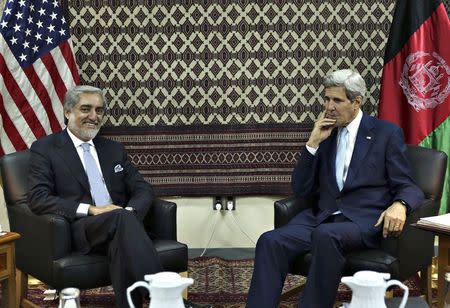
x=223, y=283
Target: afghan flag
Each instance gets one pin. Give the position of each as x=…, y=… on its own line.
x=415, y=86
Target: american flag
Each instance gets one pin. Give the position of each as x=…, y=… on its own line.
x=37, y=67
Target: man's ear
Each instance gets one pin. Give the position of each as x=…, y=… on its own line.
x=358, y=101
x=66, y=116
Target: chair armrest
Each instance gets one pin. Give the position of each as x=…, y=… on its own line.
x=44, y=238
x=413, y=241
x=161, y=220
x=287, y=208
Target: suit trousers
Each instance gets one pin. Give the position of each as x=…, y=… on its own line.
x=121, y=236
x=277, y=250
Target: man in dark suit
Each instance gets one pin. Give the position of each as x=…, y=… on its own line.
x=358, y=167
x=105, y=208
x=106, y=218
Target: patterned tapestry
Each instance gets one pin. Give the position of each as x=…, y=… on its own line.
x=218, y=97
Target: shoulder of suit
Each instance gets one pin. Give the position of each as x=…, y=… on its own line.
x=99, y=140
x=383, y=124
x=48, y=140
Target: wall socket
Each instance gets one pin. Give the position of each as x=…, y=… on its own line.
x=224, y=203
x=218, y=204
x=231, y=203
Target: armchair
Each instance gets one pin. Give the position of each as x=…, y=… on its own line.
x=403, y=256
x=45, y=247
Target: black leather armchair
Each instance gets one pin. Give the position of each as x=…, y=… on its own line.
x=45, y=247
x=404, y=256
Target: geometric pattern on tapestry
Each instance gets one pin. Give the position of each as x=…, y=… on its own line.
x=207, y=161
x=211, y=68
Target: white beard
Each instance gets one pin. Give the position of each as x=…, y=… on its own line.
x=83, y=133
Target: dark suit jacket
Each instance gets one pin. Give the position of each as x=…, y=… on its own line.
x=58, y=182
x=379, y=173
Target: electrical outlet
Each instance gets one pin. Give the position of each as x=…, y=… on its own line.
x=217, y=203
x=231, y=203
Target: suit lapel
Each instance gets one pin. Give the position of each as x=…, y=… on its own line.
x=364, y=140
x=331, y=149
x=66, y=150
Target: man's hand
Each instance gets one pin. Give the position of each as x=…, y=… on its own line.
x=321, y=131
x=95, y=210
x=394, y=219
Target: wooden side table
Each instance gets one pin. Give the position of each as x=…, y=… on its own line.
x=8, y=269
x=443, y=257
x=443, y=264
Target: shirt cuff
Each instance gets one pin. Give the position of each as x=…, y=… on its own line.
x=83, y=209
x=311, y=150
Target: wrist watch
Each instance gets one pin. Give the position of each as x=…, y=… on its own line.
x=131, y=209
x=405, y=204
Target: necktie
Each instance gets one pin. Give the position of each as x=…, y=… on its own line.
x=98, y=189
x=340, y=157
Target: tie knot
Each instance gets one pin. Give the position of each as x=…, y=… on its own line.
x=85, y=146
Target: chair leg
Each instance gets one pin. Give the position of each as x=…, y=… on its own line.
x=21, y=286
x=185, y=291
x=22, y=290
x=425, y=281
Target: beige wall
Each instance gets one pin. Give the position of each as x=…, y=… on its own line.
x=196, y=219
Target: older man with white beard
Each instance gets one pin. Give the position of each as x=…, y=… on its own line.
x=91, y=182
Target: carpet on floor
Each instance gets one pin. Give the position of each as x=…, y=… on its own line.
x=223, y=283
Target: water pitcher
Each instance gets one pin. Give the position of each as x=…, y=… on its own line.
x=369, y=287
x=165, y=289
x=69, y=298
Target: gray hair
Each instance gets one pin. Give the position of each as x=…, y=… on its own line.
x=73, y=95
x=352, y=82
